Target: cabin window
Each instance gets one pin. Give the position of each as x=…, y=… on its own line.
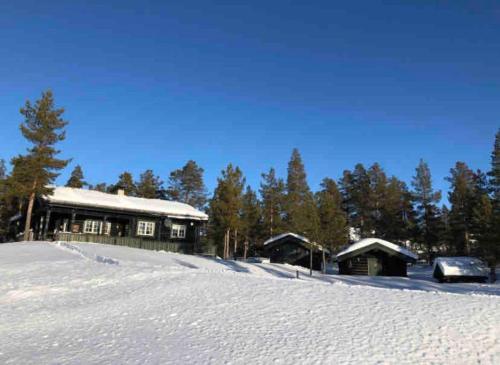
x=178, y=231
x=145, y=228
x=91, y=226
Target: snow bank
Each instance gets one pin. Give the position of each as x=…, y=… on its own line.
x=59, y=307
x=92, y=198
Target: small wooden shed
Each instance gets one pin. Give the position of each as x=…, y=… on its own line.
x=463, y=269
x=291, y=248
x=375, y=257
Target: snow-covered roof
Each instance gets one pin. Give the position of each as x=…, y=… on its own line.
x=371, y=241
x=280, y=236
x=461, y=266
x=295, y=235
x=92, y=198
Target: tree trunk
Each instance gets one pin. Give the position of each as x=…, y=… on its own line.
x=246, y=250
x=235, y=243
x=324, y=261
x=27, y=225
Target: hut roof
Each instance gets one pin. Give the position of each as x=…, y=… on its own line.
x=295, y=236
x=367, y=244
x=92, y=199
x=461, y=266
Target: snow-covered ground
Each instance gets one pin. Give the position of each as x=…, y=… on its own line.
x=89, y=303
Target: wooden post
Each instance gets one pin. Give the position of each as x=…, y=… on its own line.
x=324, y=261
x=297, y=274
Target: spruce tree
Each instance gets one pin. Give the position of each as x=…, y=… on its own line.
x=225, y=208
x=427, y=212
x=126, y=183
x=301, y=215
x=76, y=180
x=272, y=191
x=186, y=185
x=43, y=127
x=333, y=219
x=461, y=197
x=250, y=221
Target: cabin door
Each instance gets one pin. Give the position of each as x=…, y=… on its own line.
x=373, y=266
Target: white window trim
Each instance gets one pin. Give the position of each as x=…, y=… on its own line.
x=92, y=226
x=178, y=231
x=146, y=228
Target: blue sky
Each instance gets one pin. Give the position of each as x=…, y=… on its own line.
x=153, y=84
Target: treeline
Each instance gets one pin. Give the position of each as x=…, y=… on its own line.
x=363, y=202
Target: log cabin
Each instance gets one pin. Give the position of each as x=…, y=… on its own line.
x=375, y=257
x=71, y=214
x=291, y=248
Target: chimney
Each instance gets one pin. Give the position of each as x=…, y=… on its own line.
x=120, y=192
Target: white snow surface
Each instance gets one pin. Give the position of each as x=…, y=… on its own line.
x=69, y=303
x=370, y=241
x=92, y=198
x=461, y=266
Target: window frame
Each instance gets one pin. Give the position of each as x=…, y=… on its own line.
x=142, y=228
x=92, y=226
x=178, y=228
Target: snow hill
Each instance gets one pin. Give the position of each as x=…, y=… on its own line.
x=98, y=304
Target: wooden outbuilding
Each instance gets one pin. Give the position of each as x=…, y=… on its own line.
x=291, y=248
x=460, y=269
x=375, y=257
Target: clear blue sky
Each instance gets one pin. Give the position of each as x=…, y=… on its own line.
x=153, y=84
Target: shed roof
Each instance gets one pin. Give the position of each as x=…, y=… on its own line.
x=293, y=235
x=92, y=199
x=461, y=266
x=367, y=243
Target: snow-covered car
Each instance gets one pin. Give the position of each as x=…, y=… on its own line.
x=454, y=269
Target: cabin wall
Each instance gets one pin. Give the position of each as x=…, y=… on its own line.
x=373, y=263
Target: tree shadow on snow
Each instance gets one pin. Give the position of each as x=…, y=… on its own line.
x=232, y=265
x=186, y=264
x=275, y=272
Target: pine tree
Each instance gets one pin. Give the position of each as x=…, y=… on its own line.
x=102, y=187
x=488, y=212
x=250, y=221
x=150, y=186
x=427, y=212
x=301, y=215
x=272, y=191
x=76, y=179
x=225, y=208
x=356, y=193
x=376, y=198
x=333, y=219
x=43, y=128
x=186, y=185
x=397, y=217
x=461, y=197
x=126, y=183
